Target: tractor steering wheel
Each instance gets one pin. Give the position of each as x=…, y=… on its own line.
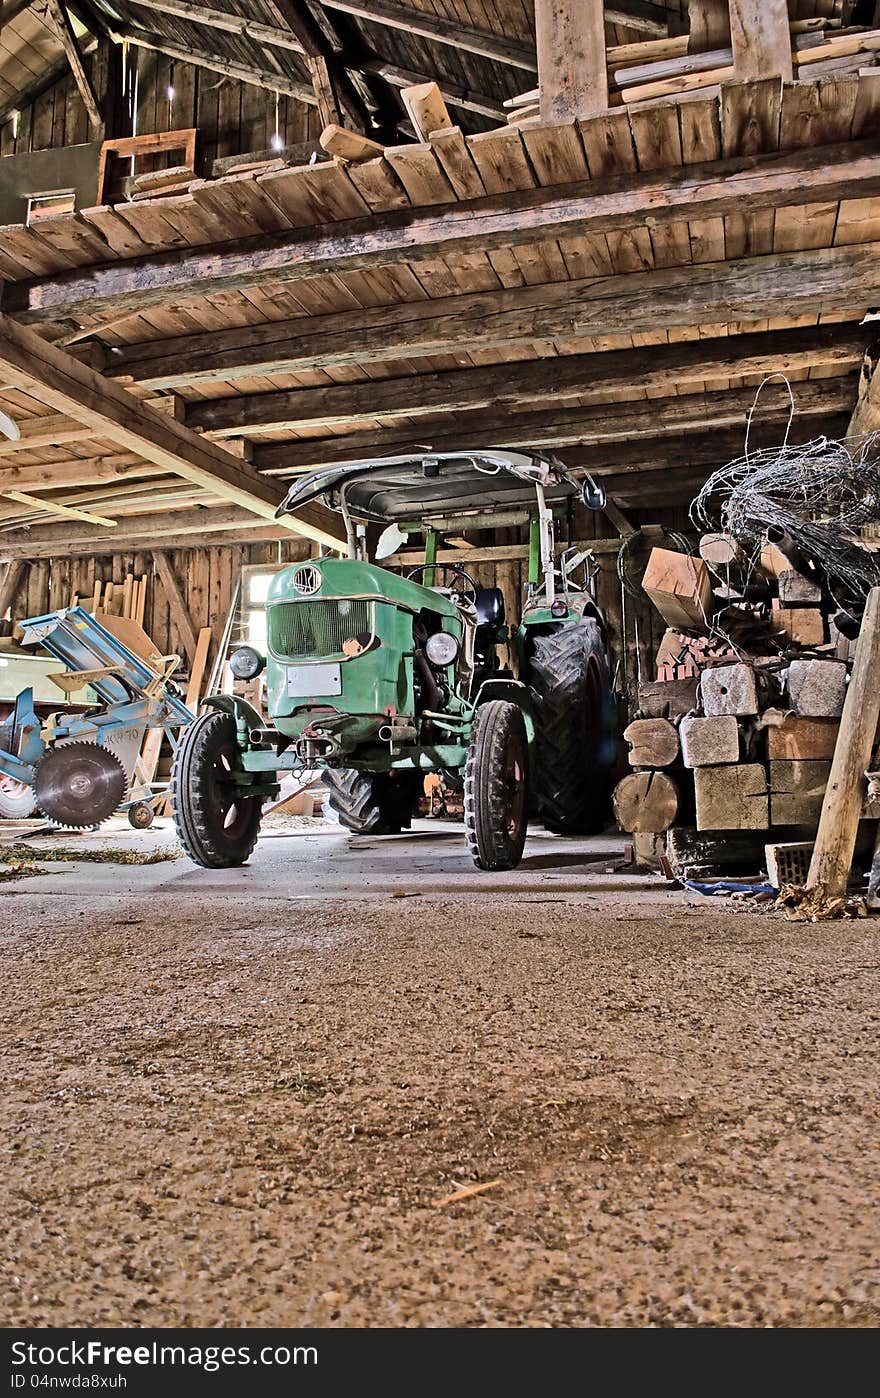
x=469, y=592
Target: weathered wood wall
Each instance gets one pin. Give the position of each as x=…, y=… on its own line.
x=208, y=578
x=231, y=117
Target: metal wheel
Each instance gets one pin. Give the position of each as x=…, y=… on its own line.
x=496, y=787
x=216, y=824
x=141, y=816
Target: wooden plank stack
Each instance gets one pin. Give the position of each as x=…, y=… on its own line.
x=735, y=736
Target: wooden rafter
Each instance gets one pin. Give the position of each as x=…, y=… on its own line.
x=636, y=14
x=710, y=293
x=440, y=30
x=64, y=28
x=241, y=72
x=76, y=472
x=62, y=383
x=742, y=185
x=136, y=532
x=582, y=378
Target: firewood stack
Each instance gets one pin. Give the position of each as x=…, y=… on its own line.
x=738, y=730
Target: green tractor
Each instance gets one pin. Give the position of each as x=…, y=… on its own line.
x=377, y=679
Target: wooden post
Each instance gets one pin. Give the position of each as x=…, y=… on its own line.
x=572, y=71
x=761, y=39
x=176, y=605
x=9, y=585
x=709, y=25
x=842, y=807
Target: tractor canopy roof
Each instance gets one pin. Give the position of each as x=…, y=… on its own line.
x=417, y=487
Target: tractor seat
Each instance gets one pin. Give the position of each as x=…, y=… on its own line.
x=490, y=606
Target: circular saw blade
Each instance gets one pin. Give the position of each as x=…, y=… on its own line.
x=79, y=784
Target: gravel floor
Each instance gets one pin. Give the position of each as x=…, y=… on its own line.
x=236, y=1099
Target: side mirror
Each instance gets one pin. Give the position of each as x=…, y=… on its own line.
x=390, y=540
x=594, y=496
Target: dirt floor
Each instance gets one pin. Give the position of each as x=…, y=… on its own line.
x=237, y=1098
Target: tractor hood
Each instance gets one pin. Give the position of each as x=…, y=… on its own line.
x=414, y=487
x=327, y=579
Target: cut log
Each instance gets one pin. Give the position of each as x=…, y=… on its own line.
x=667, y=698
x=722, y=551
x=349, y=145
x=842, y=807
x=791, y=738
x=732, y=798
x=709, y=742
x=797, y=789
x=680, y=588
x=653, y=742
x=426, y=108
x=646, y=803
x=816, y=688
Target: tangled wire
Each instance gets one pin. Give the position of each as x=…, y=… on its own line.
x=812, y=499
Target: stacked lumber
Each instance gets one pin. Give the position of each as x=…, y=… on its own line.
x=734, y=737
x=657, y=68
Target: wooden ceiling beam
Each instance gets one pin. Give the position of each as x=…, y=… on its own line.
x=740, y=186
x=583, y=378
x=711, y=293
x=49, y=540
x=554, y=428
x=62, y=383
x=76, y=472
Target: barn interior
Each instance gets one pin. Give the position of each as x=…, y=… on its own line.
x=352, y=1080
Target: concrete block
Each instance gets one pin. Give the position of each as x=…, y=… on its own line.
x=709, y=742
x=729, y=689
x=816, y=688
x=732, y=798
x=796, y=590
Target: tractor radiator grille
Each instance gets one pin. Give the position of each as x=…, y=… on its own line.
x=317, y=629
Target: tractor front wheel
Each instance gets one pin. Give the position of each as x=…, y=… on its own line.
x=216, y=824
x=496, y=786
x=373, y=803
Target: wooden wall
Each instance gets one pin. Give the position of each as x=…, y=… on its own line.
x=232, y=117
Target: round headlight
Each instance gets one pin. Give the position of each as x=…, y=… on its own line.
x=441, y=648
x=246, y=663
x=558, y=607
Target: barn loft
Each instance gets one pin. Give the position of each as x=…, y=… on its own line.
x=570, y=260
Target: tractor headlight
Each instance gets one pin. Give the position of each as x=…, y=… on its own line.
x=246, y=663
x=442, y=649
x=558, y=608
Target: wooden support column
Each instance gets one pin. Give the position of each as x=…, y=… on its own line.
x=180, y=617
x=842, y=807
x=761, y=39
x=9, y=585
x=709, y=22
x=572, y=71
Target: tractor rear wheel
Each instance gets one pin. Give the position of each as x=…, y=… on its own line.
x=496, y=786
x=373, y=803
x=575, y=745
x=216, y=824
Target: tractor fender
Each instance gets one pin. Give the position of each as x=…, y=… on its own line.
x=513, y=692
x=243, y=712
